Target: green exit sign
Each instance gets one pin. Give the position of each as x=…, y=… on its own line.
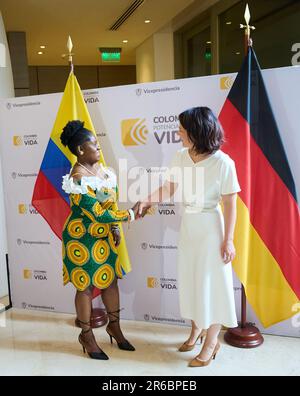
x=208, y=56
x=111, y=56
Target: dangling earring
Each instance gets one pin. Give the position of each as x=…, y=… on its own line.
x=79, y=151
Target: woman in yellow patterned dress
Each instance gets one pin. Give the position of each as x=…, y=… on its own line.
x=91, y=235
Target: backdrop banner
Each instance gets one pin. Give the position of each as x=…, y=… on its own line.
x=136, y=125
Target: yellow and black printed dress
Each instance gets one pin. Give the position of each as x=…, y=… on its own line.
x=89, y=253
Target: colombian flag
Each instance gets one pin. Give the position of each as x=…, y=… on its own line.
x=268, y=225
x=48, y=197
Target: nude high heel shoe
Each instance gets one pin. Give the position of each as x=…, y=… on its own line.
x=200, y=363
x=187, y=348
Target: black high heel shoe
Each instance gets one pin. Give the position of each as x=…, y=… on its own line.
x=124, y=345
x=93, y=355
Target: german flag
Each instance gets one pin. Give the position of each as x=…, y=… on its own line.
x=268, y=224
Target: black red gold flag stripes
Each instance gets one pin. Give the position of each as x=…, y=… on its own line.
x=268, y=226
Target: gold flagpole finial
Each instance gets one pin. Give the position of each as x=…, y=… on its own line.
x=248, y=27
x=70, y=54
x=247, y=15
x=70, y=44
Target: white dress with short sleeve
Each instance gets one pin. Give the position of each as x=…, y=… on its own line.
x=206, y=292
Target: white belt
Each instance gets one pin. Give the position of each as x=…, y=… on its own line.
x=194, y=209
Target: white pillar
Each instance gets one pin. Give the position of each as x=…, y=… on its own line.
x=155, y=57
x=164, y=54
x=6, y=91
x=145, y=67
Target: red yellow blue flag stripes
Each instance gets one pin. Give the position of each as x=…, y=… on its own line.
x=268, y=225
x=48, y=197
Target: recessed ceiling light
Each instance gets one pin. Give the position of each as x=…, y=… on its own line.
x=147, y=21
x=125, y=41
x=40, y=53
x=228, y=23
x=208, y=42
x=238, y=53
x=42, y=46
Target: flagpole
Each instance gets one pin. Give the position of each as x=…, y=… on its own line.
x=98, y=315
x=70, y=54
x=248, y=43
x=245, y=336
x=9, y=306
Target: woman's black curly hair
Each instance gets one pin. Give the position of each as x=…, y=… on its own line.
x=203, y=129
x=74, y=134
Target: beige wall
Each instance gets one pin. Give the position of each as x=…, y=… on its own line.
x=145, y=63
x=164, y=54
x=192, y=12
x=6, y=76
x=36, y=80
x=155, y=57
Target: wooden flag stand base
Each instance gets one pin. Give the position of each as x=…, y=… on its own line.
x=98, y=318
x=245, y=336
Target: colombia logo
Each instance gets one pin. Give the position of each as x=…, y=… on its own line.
x=152, y=283
x=23, y=209
x=226, y=83
x=27, y=274
x=17, y=140
x=134, y=132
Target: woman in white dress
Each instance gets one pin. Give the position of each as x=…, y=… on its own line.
x=206, y=246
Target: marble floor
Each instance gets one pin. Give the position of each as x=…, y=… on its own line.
x=41, y=343
x=4, y=301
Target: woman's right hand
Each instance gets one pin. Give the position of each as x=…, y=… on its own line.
x=135, y=210
x=228, y=251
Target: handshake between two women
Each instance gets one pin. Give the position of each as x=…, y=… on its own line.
x=140, y=209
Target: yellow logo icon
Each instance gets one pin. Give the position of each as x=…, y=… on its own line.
x=22, y=209
x=18, y=140
x=27, y=274
x=134, y=132
x=226, y=83
x=152, y=283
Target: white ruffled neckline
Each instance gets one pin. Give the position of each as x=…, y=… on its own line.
x=94, y=182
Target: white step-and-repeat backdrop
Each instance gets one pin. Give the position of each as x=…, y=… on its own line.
x=137, y=123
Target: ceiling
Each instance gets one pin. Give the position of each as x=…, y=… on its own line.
x=50, y=22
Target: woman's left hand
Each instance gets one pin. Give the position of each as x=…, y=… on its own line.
x=228, y=251
x=117, y=236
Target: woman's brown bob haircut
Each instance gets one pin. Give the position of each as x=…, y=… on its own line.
x=203, y=129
